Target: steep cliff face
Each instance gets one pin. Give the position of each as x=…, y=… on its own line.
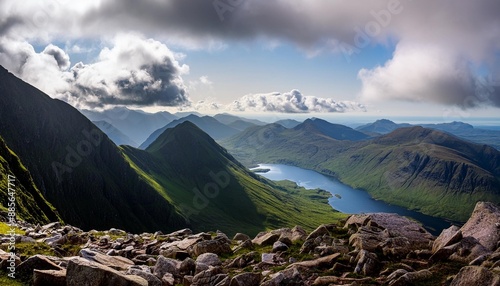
x=19, y=191
x=77, y=168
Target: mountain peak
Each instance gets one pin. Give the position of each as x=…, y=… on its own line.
x=335, y=131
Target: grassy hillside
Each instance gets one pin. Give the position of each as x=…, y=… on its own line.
x=422, y=169
x=214, y=191
x=75, y=166
x=31, y=206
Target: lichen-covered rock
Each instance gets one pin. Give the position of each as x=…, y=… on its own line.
x=84, y=272
x=483, y=225
x=476, y=275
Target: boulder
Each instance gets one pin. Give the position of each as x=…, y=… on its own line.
x=266, y=238
x=393, y=234
x=187, y=267
x=279, y=246
x=368, y=263
x=40, y=262
x=152, y=279
x=447, y=237
x=81, y=271
x=208, y=277
x=115, y=262
x=475, y=275
x=166, y=265
x=319, y=231
x=217, y=246
x=483, y=225
x=246, y=279
x=210, y=259
x=412, y=278
x=241, y=236
x=49, y=277
x=322, y=262
x=168, y=279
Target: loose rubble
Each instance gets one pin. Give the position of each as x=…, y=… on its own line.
x=367, y=249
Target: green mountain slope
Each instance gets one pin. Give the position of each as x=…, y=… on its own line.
x=30, y=204
x=215, y=191
x=77, y=168
x=418, y=168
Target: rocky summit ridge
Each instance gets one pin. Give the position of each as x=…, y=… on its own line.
x=366, y=249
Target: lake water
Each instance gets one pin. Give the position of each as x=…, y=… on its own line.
x=351, y=200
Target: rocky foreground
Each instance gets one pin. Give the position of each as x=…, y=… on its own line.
x=368, y=249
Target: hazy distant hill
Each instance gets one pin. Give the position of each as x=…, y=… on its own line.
x=335, y=131
x=240, y=125
x=423, y=169
x=210, y=125
x=114, y=134
x=382, y=126
x=228, y=119
x=463, y=130
x=288, y=123
x=135, y=124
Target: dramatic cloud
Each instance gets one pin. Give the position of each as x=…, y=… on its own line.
x=466, y=33
x=426, y=74
x=292, y=102
x=134, y=71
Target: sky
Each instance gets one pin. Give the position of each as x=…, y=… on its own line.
x=378, y=58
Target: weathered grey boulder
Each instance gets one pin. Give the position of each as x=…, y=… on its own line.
x=322, y=262
x=447, y=237
x=209, y=277
x=144, y=273
x=241, y=236
x=49, y=277
x=81, y=271
x=368, y=263
x=411, y=278
x=393, y=234
x=210, y=259
x=279, y=246
x=246, y=279
x=483, y=225
x=217, y=246
x=319, y=231
x=476, y=275
x=166, y=265
x=40, y=262
x=115, y=262
x=266, y=238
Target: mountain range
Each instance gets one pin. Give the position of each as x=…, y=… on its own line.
x=460, y=129
x=134, y=124
x=419, y=168
x=184, y=179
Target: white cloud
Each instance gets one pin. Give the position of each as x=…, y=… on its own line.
x=292, y=102
x=424, y=73
x=466, y=33
x=134, y=71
